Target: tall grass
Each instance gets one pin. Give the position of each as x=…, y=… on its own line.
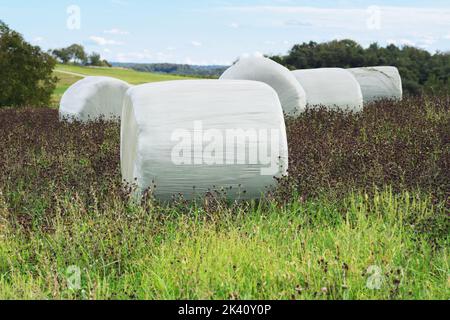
x=363, y=215
x=405, y=145
x=360, y=247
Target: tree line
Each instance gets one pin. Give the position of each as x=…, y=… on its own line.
x=76, y=54
x=421, y=71
x=176, y=69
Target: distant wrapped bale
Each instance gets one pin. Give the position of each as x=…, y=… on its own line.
x=258, y=68
x=379, y=83
x=331, y=87
x=192, y=137
x=92, y=98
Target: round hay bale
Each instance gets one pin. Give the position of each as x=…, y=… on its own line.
x=258, y=68
x=331, y=87
x=92, y=98
x=192, y=137
x=379, y=83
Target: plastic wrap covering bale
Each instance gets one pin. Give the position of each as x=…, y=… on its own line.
x=258, y=68
x=92, y=98
x=191, y=137
x=379, y=83
x=331, y=87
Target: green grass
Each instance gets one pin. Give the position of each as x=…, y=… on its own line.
x=130, y=76
x=366, y=201
x=304, y=250
x=64, y=82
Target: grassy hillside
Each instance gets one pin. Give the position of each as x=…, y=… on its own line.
x=363, y=215
x=68, y=75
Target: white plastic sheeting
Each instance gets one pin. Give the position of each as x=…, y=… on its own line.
x=379, y=83
x=331, y=87
x=259, y=68
x=92, y=98
x=190, y=137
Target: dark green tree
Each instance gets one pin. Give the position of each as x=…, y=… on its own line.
x=26, y=72
x=77, y=54
x=421, y=71
x=63, y=55
x=95, y=59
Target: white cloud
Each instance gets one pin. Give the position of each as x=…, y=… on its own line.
x=163, y=56
x=38, y=40
x=258, y=54
x=234, y=25
x=104, y=42
x=427, y=41
x=297, y=23
x=401, y=25
x=144, y=56
x=401, y=42
x=350, y=17
x=188, y=60
x=196, y=43
x=134, y=56
x=221, y=62
x=391, y=41
x=116, y=31
x=407, y=42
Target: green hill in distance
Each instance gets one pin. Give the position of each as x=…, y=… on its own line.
x=69, y=74
x=208, y=71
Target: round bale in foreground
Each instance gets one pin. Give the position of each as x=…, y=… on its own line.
x=92, y=98
x=192, y=137
x=258, y=68
x=379, y=83
x=331, y=87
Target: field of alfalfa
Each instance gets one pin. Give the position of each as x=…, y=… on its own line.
x=364, y=214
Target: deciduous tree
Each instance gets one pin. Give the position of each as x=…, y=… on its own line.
x=26, y=72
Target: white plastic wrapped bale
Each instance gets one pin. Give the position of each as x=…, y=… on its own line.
x=192, y=137
x=259, y=68
x=379, y=83
x=331, y=87
x=92, y=98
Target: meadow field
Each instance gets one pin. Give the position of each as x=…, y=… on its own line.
x=69, y=74
x=364, y=214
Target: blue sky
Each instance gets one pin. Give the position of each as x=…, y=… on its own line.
x=218, y=31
